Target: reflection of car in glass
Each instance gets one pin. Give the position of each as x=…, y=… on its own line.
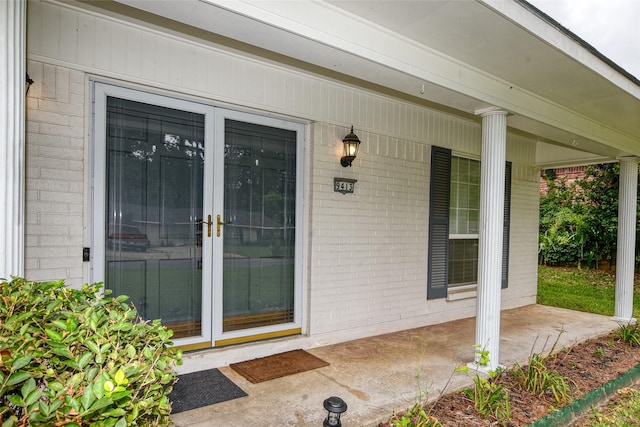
x=127, y=237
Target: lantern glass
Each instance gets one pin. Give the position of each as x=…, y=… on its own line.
x=351, y=149
x=333, y=419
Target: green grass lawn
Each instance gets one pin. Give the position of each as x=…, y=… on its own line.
x=592, y=291
x=586, y=290
x=624, y=412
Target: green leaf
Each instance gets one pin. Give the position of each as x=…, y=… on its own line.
x=85, y=359
x=122, y=298
x=53, y=305
x=116, y=412
x=11, y=422
x=62, y=351
x=14, y=321
x=88, y=397
x=55, y=405
x=91, y=373
x=70, y=401
x=133, y=414
x=147, y=353
x=14, y=399
x=75, y=379
x=121, y=378
x=72, y=324
x=60, y=324
x=18, y=377
x=54, y=335
x=55, y=386
x=123, y=326
x=21, y=362
x=131, y=351
x=33, y=397
x=44, y=408
x=28, y=387
x=100, y=404
x=92, y=346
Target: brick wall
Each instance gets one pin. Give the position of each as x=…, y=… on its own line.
x=369, y=248
x=55, y=174
x=570, y=174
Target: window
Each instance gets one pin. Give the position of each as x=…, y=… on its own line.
x=454, y=222
x=464, y=212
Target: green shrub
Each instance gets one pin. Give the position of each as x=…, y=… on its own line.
x=539, y=379
x=630, y=334
x=490, y=399
x=416, y=417
x=76, y=357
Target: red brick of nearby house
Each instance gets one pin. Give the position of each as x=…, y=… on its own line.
x=569, y=174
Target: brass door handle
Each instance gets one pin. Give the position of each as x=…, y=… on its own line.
x=220, y=222
x=209, y=224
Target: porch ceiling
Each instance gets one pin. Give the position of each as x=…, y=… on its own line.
x=464, y=55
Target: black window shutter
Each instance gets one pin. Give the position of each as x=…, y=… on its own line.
x=440, y=182
x=506, y=226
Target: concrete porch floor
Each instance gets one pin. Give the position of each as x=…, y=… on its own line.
x=379, y=375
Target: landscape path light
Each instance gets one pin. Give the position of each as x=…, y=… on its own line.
x=335, y=407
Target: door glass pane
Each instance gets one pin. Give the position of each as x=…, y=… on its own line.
x=259, y=243
x=155, y=162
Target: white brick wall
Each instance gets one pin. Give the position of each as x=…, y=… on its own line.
x=369, y=249
x=366, y=252
x=55, y=174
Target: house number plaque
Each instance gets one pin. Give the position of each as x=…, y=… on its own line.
x=344, y=185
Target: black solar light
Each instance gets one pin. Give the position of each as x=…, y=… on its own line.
x=335, y=407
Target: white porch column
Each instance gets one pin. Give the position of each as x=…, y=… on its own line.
x=12, y=136
x=492, y=171
x=625, y=258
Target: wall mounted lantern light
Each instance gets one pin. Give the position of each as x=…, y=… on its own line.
x=27, y=84
x=351, y=144
x=335, y=407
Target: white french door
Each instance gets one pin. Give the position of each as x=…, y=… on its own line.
x=257, y=278
x=196, y=216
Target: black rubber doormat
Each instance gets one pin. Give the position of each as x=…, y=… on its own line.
x=203, y=388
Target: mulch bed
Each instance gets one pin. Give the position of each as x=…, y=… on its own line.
x=587, y=365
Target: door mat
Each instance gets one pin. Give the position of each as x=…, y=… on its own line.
x=202, y=388
x=277, y=366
